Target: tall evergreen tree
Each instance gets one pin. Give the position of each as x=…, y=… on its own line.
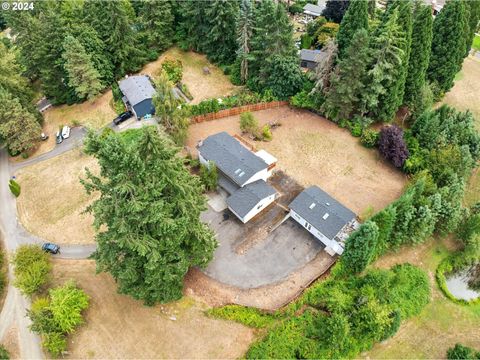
x=18, y=127
x=335, y=10
x=448, y=45
x=473, y=7
x=148, y=215
x=244, y=32
x=157, y=22
x=360, y=248
x=82, y=75
x=355, y=18
x=349, y=80
x=387, y=55
x=113, y=21
x=324, y=69
x=220, y=42
x=420, y=54
x=192, y=27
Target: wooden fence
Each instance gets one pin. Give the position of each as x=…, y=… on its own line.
x=237, y=110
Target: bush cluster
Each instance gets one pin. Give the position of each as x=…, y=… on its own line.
x=461, y=352
x=249, y=124
x=209, y=176
x=339, y=317
x=174, y=69
x=369, y=138
x=4, y=355
x=31, y=268
x=14, y=187
x=56, y=316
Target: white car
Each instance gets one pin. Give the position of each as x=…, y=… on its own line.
x=66, y=132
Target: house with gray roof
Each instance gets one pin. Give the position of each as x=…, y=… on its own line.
x=243, y=174
x=309, y=59
x=323, y=216
x=138, y=93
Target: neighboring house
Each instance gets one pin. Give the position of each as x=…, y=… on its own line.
x=309, y=59
x=312, y=10
x=43, y=104
x=242, y=173
x=323, y=216
x=138, y=93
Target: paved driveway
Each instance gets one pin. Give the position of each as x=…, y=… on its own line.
x=286, y=249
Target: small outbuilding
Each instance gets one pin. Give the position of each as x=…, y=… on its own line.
x=323, y=216
x=138, y=93
x=312, y=10
x=309, y=59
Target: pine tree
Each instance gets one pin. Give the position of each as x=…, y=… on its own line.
x=335, y=10
x=420, y=54
x=82, y=76
x=113, y=21
x=448, y=45
x=220, y=42
x=147, y=218
x=192, y=27
x=473, y=7
x=168, y=109
x=387, y=56
x=348, y=82
x=385, y=220
x=157, y=20
x=360, y=248
x=356, y=18
x=18, y=127
x=244, y=31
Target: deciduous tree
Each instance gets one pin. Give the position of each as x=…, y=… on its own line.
x=335, y=10
x=391, y=145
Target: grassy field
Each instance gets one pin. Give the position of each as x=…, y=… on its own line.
x=441, y=324
x=476, y=43
x=53, y=199
x=118, y=327
x=201, y=86
x=315, y=151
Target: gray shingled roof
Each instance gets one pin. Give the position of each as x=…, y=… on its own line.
x=311, y=55
x=231, y=158
x=137, y=89
x=246, y=198
x=338, y=215
x=313, y=9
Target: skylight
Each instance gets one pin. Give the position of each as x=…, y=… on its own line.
x=325, y=217
x=237, y=171
x=312, y=206
x=241, y=174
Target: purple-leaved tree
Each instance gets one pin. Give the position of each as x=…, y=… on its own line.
x=392, y=145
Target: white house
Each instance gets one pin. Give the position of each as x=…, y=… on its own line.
x=242, y=173
x=323, y=216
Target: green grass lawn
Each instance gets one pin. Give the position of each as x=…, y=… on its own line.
x=476, y=43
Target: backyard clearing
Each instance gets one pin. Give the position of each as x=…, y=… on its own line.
x=315, y=151
x=441, y=324
x=119, y=327
x=52, y=199
x=201, y=86
x=465, y=95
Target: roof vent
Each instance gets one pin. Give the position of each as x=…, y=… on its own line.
x=325, y=217
x=312, y=206
x=237, y=171
x=328, y=204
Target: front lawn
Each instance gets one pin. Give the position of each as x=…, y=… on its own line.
x=476, y=43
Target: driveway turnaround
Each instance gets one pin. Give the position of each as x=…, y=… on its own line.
x=283, y=251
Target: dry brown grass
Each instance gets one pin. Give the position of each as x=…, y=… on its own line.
x=466, y=92
x=119, y=327
x=53, y=199
x=200, y=86
x=316, y=151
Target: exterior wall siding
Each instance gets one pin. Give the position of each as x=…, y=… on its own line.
x=332, y=244
x=262, y=204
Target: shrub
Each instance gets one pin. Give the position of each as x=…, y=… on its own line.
x=248, y=316
x=460, y=352
x=360, y=248
x=248, y=123
x=392, y=145
x=267, y=133
x=31, y=268
x=355, y=129
x=4, y=355
x=369, y=138
x=14, y=187
x=55, y=343
x=174, y=69
x=209, y=176
x=185, y=91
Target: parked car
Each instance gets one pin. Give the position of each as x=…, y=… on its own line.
x=66, y=132
x=51, y=248
x=59, y=137
x=122, y=117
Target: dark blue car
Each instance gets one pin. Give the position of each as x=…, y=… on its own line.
x=51, y=248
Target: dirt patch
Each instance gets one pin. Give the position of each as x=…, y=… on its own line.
x=11, y=343
x=201, y=86
x=465, y=94
x=52, y=199
x=118, y=327
x=271, y=297
x=316, y=151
